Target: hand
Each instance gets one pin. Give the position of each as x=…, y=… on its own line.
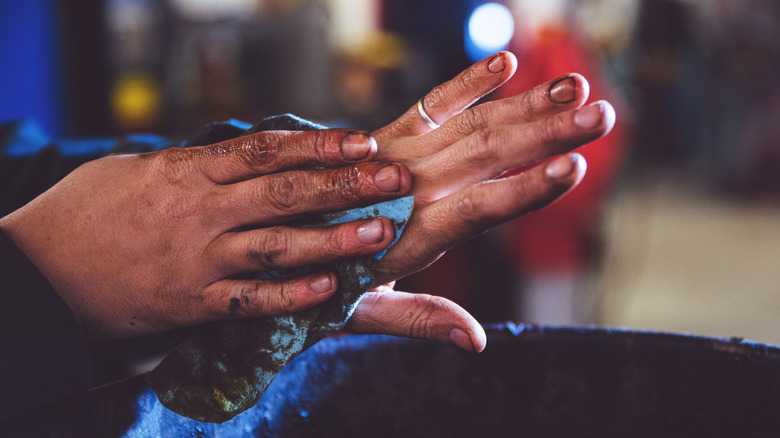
x=137, y=244
x=458, y=188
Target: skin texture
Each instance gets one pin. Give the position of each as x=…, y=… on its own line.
x=138, y=244
x=147, y=243
x=457, y=186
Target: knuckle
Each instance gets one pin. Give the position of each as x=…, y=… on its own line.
x=283, y=189
x=261, y=148
x=527, y=107
x=182, y=196
x=209, y=304
x=321, y=141
x=483, y=146
x=269, y=248
x=547, y=130
x=474, y=84
x=470, y=120
x=346, y=183
x=167, y=164
x=470, y=207
x=421, y=320
x=435, y=97
x=470, y=76
x=334, y=243
x=255, y=151
x=194, y=305
x=247, y=296
x=285, y=297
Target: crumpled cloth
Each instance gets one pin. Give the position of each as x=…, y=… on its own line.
x=225, y=367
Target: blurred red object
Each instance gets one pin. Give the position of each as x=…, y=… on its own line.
x=560, y=237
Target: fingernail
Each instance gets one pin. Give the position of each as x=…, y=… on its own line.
x=589, y=116
x=497, y=65
x=388, y=179
x=321, y=283
x=461, y=339
x=357, y=146
x=561, y=167
x=562, y=90
x=371, y=232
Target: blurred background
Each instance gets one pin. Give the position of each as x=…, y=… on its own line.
x=675, y=228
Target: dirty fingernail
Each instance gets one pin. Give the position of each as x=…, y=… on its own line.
x=589, y=116
x=371, y=232
x=388, y=179
x=561, y=167
x=563, y=90
x=357, y=146
x=461, y=339
x=321, y=283
x=497, y=65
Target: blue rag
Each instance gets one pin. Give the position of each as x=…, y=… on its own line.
x=225, y=368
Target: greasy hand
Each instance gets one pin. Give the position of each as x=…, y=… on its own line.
x=137, y=244
x=458, y=191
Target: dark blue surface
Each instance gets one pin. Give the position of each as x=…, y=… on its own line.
x=30, y=78
x=532, y=381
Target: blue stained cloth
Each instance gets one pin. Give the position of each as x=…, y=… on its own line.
x=225, y=369
x=397, y=211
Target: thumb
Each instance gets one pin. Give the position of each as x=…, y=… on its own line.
x=422, y=316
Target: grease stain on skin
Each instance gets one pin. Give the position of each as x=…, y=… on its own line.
x=234, y=305
x=226, y=367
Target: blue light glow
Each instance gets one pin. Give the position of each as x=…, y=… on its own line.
x=490, y=28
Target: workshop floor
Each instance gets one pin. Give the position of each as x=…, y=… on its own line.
x=681, y=259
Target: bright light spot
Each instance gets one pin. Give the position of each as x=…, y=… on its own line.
x=491, y=27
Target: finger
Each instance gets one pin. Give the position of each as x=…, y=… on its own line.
x=287, y=247
x=453, y=96
x=441, y=225
x=490, y=152
x=282, y=196
x=266, y=152
x=560, y=94
x=266, y=297
x=417, y=316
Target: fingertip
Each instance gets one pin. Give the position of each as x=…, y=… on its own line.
x=323, y=284
x=511, y=61
x=405, y=178
x=358, y=146
x=474, y=342
x=561, y=167
x=583, y=85
x=459, y=338
x=502, y=62
x=580, y=166
x=388, y=229
x=393, y=178
x=372, y=231
x=497, y=63
x=568, y=168
x=376, y=232
x=610, y=117
x=479, y=339
x=372, y=147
